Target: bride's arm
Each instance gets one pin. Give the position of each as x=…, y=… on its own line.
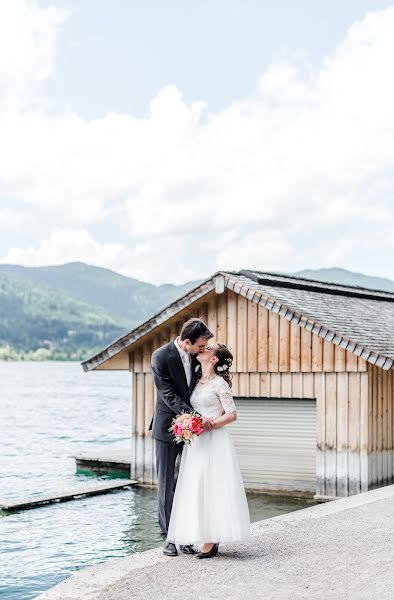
x=224, y=419
x=229, y=409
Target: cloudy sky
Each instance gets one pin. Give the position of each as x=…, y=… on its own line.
x=167, y=140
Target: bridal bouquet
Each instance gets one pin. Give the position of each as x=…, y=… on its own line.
x=186, y=426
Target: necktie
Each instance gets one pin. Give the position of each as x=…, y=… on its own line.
x=187, y=367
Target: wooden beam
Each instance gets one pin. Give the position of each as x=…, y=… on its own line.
x=243, y=389
x=254, y=384
x=331, y=433
x=296, y=385
x=390, y=425
x=380, y=426
x=276, y=391
x=212, y=319
x=317, y=353
x=351, y=361
x=138, y=360
x=98, y=488
x=265, y=385
x=262, y=338
x=252, y=333
x=146, y=356
x=354, y=433
x=339, y=358
x=295, y=347
x=232, y=327
x=242, y=348
x=222, y=319
x=273, y=342
x=306, y=350
x=284, y=345
x=342, y=434
x=328, y=356
x=286, y=388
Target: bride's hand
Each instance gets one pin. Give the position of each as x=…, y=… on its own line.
x=207, y=423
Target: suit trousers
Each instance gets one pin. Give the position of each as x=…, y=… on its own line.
x=168, y=457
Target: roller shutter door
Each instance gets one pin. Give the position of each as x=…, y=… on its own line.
x=276, y=442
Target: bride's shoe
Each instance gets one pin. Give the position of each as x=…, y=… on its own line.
x=212, y=552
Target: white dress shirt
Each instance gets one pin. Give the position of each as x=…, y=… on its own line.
x=186, y=361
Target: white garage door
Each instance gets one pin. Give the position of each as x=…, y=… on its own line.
x=276, y=442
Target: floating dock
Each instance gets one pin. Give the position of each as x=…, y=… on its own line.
x=111, y=462
x=95, y=490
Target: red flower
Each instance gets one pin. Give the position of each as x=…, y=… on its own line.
x=195, y=425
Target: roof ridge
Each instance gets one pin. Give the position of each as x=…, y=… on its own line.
x=317, y=284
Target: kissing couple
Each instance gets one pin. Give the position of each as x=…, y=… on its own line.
x=205, y=504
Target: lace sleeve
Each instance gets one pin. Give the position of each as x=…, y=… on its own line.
x=226, y=397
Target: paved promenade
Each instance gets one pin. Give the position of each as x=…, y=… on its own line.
x=339, y=550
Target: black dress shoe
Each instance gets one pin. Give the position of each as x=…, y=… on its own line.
x=212, y=552
x=169, y=549
x=188, y=549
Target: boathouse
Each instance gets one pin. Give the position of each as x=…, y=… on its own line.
x=313, y=379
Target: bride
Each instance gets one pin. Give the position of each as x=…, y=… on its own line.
x=210, y=504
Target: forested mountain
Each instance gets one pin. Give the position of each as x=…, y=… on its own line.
x=35, y=317
x=73, y=310
x=128, y=299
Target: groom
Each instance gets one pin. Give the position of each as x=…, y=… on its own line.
x=174, y=367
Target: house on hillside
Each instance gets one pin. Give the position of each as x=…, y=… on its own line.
x=313, y=379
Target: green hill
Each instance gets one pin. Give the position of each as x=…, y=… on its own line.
x=34, y=317
x=73, y=310
x=130, y=300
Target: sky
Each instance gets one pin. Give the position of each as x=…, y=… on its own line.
x=169, y=140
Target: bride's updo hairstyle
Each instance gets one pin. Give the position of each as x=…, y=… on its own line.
x=222, y=367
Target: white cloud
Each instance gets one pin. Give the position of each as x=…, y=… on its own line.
x=143, y=261
x=258, y=250
x=313, y=148
x=27, y=50
x=68, y=245
x=10, y=219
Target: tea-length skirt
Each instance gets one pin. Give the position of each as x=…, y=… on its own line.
x=210, y=502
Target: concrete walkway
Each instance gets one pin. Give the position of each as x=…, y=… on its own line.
x=339, y=550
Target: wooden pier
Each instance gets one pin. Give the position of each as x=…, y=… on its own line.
x=110, y=462
x=95, y=490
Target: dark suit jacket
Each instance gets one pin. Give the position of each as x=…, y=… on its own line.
x=172, y=392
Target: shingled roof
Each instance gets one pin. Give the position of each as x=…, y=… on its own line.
x=358, y=319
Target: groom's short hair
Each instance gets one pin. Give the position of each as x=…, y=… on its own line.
x=194, y=329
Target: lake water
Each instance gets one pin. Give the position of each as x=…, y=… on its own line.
x=48, y=412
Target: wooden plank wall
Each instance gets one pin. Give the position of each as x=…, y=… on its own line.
x=342, y=433
x=380, y=442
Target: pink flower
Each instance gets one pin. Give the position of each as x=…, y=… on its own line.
x=178, y=429
x=187, y=434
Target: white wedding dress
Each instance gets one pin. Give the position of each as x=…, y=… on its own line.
x=210, y=503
